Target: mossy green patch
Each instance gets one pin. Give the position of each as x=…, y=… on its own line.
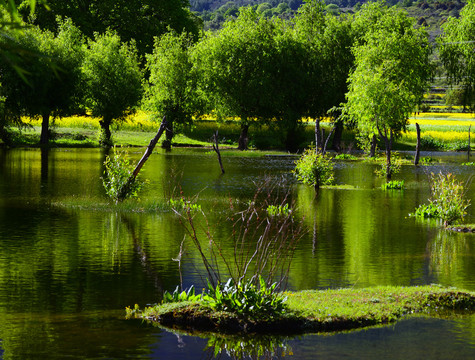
x=318, y=311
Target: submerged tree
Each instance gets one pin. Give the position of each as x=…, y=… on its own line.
x=391, y=75
x=113, y=81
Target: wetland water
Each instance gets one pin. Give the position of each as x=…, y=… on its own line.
x=67, y=273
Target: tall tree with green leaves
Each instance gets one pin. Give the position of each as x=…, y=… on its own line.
x=329, y=40
x=140, y=20
x=113, y=80
x=390, y=77
x=171, y=87
x=456, y=52
x=234, y=66
x=49, y=83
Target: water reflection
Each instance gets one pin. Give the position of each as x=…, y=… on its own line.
x=67, y=273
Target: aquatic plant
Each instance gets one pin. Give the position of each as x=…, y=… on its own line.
x=181, y=205
x=245, y=298
x=177, y=295
x=448, y=197
x=393, y=185
x=426, y=211
x=279, y=210
x=314, y=169
x=263, y=244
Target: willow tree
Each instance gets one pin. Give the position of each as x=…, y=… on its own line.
x=113, y=80
x=171, y=86
x=49, y=81
x=234, y=66
x=456, y=52
x=392, y=70
x=329, y=40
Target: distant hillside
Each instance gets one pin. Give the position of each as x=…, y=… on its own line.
x=430, y=13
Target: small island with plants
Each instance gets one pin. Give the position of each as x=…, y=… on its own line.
x=247, y=308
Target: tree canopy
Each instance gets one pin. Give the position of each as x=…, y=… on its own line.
x=456, y=52
x=390, y=77
x=140, y=20
x=113, y=80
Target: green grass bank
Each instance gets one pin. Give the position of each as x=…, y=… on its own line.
x=312, y=311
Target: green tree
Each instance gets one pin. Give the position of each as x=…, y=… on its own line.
x=329, y=40
x=392, y=68
x=234, y=67
x=456, y=51
x=140, y=20
x=52, y=66
x=171, y=84
x=113, y=80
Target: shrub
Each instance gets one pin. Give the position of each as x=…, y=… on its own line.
x=430, y=143
x=246, y=299
x=117, y=175
x=448, y=197
x=314, y=169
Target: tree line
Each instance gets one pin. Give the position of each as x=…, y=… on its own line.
x=367, y=70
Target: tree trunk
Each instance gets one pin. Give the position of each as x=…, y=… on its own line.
x=243, y=138
x=374, y=142
x=468, y=150
x=216, y=149
x=318, y=135
x=44, y=137
x=336, y=145
x=167, y=144
x=106, y=135
x=418, y=145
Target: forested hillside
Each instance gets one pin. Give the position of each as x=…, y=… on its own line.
x=430, y=13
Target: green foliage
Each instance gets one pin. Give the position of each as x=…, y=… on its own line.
x=314, y=169
x=426, y=211
x=113, y=79
x=468, y=164
x=178, y=296
x=394, y=168
x=279, y=210
x=181, y=205
x=140, y=20
x=345, y=157
x=448, y=197
x=391, y=74
x=393, y=185
x=456, y=51
x=246, y=299
x=117, y=175
x=429, y=143
x=49, y=80
x=171, y=85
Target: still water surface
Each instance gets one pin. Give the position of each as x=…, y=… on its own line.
x=66, y=274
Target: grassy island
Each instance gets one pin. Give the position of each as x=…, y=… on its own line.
x=316, y=310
